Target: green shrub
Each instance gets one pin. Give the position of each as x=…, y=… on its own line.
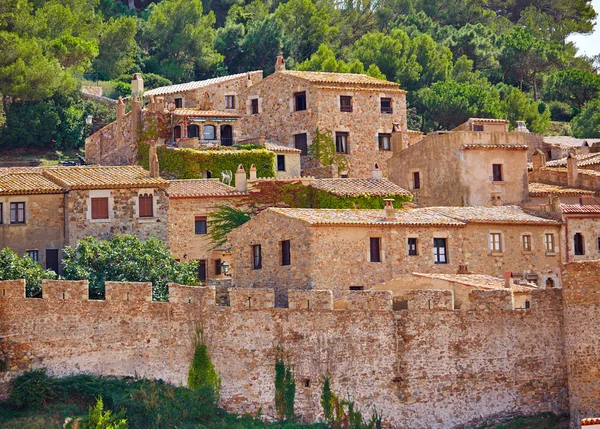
x=97, y=418
x=202, y=374
x=32, y=390
x=560, y=111
x=285, y=388
x=13, y=267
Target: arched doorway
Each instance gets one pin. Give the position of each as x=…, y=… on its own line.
x=550, y=283
x=193, y=130
x=226, y=135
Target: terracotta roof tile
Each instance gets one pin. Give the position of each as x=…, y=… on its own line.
x=103, y=177
x=355, y=187
x=279, y=148
x=489, y=120
x=190, y=86
x=537, y=189
x=200, y=188
x=367, y=217
x=496, y=214
x=339, y=78
x=577, y=209
x=482, y=281
x=568, y=141
x=27, y=183
x=507, y=146
x=590, y=421
x=205, y=113
x=583, y=160
x=12, y=170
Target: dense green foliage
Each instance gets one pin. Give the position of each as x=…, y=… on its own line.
x=472, y=48
x=127, y=259
x=14, y=267
x=97, y=418
x=202, y=374
x=147, y=404
x=285, y=387
x=192, y=164
x=587, y=123
x=224, y=220
x=322, y=148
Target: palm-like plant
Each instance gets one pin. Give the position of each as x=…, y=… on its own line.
x=225, y=220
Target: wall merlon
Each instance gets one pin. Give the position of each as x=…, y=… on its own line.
x=251, y=299
x=547, y=299
x=492, y=300
x=310, y=299
x=75, y=290
x=373, y=300
x=183, y=294
x=12, y=289
x=431, y=300
x=129, y=291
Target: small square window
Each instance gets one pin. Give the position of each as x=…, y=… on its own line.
x=412, y=246
x=440, y=254
x=495, y=242
x=497, y=172
x=178, y=103
x=230, y=101
x=527, y=242
x=146, y=202
x=477, y=127
x=300, y=101
x=200, y=226
x=100, y=208
x=17, y=213
x=280, y=162
x=254, y=106
x=341, y=142
x=345, y=103
x=375, y=243
x=549, y=242
x=34, y=255
x=385, y=141
x=356, y=287
x=386, y=105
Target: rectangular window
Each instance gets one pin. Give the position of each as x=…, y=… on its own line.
x=178, y=103
x=345, y=103
x=527, y=243
x=17, y=212
x=301, y=143
x=300, y=101
x=497, y=172
x=385, y=142
x=412, y=247
x=386, y=105
x=230, y=101
x=341, y=142
x=375, y=243
x=286, y=256
x=146, y=203
x=495, y=242
x=218, y=267
x=598, y=237
x=202, y=270
x=100, y=208
x=52, y=260
x=280, y=162
x=2, y=214
x=256, y=257
x=477, y=127
x=357, y=288
x=416, y=180
x=33, y=254
x=549, y=242
x=440, y=254
x=254, y=106
x=200, y=226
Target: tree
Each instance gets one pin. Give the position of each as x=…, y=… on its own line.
x=13, y=267
x=587, y=123
x=479, y=44
x=127, y=259
x=179, y=40
x=573, y=86
x=225, y=220
x=117, y=48
x=518, y=107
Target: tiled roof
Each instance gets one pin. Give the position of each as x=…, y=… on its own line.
x=355, y=187
x=496, y=214
x=27, y=183
x=577, y=209
x=489, y=120
x=13, y=170
x=482, y=281
x=507, y=146
x=103, y=177
x=339, y=78
x=537, y=189
x=590, y=421
x=358, y=87
x=190, y=86
x=583, y=159
x=568, y=141
x=200, y=188
x=279, y=148
x=366, y=217
x=205, y=113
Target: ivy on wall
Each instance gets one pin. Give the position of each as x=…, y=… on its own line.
x=191, y=163
x=285, y=387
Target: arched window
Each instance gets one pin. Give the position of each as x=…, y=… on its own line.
x=193, y=130
x=578, y=247
x=549, y=283
x=177, y=132
x=210, y=132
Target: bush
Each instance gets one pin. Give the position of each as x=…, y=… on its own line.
x=32, y=390
x=13, y=267
x=560, y=111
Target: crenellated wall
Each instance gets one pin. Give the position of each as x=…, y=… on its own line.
x=430, y=366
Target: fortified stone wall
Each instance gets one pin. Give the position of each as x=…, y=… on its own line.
x=427, y=367
x=114, y=144
x=587, y=179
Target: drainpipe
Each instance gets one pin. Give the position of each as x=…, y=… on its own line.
x=567, y=237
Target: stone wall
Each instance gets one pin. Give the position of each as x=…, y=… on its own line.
x=115, y=144
x=587, y=179
x=124, y=219
x=420, y=368
x=337, y=257
x=587, y=226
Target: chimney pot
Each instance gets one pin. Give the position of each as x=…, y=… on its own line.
x=388, y=212
x=241, y=182
x=508, y=280
x=279, y=64
x=253, y=172
x=376, y=173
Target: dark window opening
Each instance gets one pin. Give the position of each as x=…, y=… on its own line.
x=218, y=269
x=307, y=382
x=52, y=260
x=301, y=143
x=386, y=105
x=497, y=172
x=440, y=255
x=202, y=270
x=200, y=226
x=256, y=257
x=254, y=106
x=385, y=142
x=527, y=304
x=17, y=212
x=146, y=205
x=177, y=132
x=100, y=208
x=193, y=130
x=230, y=101
x=356, y=287
x=34, y=255
x=341, y=142
x=477, y=127
x=178, y=103
x=549, y=155
x=300, y=101
x=280, y=162
x=226, y=135
x=375, y=243
x=549, y=283
x=345, y=103
x=578, y=246
x=2, y=214
x=412, y=247
x=286, y=256
x=416, y=180
x=210, y=132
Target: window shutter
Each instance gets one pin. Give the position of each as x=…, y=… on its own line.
x=99, y=208
x=146, y=205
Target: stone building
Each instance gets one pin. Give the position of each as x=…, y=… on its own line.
x=567, y=174
x=463, y=168
x=359, y=111
x=32, y=217
x=358, y=249
x=581, y=231
x=106, y=201
x=556, y=147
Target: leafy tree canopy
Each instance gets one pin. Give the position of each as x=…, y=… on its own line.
x=14, y=267
x=587, y=123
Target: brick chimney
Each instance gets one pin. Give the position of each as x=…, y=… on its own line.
x=376, y=173
x=572, y=173
x=398, y=143
x=137, y=86
x=241, y=182
x=153, y=160
x=539, y=159
x=388, y=212
x=253, y=172
x=508, y=280
x=279, y=64
x=463, y=269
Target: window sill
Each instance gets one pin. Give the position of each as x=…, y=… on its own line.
x=14, y=224
x=147, y=219
x=550, y=253
x=501, y=182
x=100, y=220
x=496, y=253
x=526, y=252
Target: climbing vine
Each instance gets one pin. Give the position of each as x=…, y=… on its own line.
x=323, y=150
x=285, y=387
x=202, y=373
